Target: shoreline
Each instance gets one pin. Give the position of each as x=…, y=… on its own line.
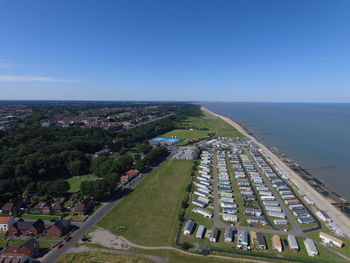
x=321, y=202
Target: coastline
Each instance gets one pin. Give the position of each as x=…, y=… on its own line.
x=320, y=201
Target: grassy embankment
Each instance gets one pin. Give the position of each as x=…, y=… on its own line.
x=149, y=215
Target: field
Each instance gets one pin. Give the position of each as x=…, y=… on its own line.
x=93, y=256
x=176, y=257
x=75, y=181
x=149, y=215
x=213, y=124
x=185, y=134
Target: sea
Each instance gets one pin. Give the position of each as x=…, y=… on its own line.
x=315, y=135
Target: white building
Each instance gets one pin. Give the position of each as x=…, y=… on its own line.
x=328, y=239
x=310, y=247
x=189, y=227
x=321, y=214
x=292, y=242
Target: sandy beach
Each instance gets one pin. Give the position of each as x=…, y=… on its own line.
x=321, y=202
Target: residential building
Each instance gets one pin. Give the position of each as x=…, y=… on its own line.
x=6, y=222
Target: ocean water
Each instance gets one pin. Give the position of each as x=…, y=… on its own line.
x=316, y=135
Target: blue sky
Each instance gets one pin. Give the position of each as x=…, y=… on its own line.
x=271, y=50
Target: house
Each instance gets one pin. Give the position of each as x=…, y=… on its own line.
x=6, y=222
x=29, y=248
x=85, y=206
x=328, y=239
x=59, y=228
x=26, y=228
x=129, y=175
x=43, y=208
x=9, y=209
x=12, y=207
x=15, y=258
x=57, y=207
x=276, y=243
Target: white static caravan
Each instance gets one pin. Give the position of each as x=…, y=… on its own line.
x=265, y=193
x=276, y=214
x=204, y=190
x=321, y=214
x=229, y=217
x=214, y=234
x=292, y=242
x=200, y=231
x=310, y=247
x=202, y=178
x=199, y=203
x=280, y=222
x=208, y=176
x=267, y=198
x=270, y=202
x=228, y=204
x=226, y=194
x=189, y=227
x=203, y=172
x=328, y=239
x=229, y=210
x=207, y=184
x=227, y=199
x=203, y=199
x=203, y=212
x=229, y=233
x=288, y=197
x=273, y=208
x=202, y=194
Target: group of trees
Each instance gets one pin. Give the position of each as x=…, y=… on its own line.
x=31, y=153
x=37, y=159
x=111, y=169
x=55, y=188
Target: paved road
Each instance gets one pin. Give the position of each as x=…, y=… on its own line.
x=55, y=253
x=217, y=222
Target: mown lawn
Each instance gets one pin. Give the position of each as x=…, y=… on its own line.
x=213, y=124
x=75, y=181
x=149, y=215
x=185, y=134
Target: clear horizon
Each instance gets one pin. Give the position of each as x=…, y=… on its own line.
x=232, y=51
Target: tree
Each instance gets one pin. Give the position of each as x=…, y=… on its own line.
x=76, y=167
x=58, y=187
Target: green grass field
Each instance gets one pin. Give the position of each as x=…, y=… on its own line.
x=75, y=181
x=213, y=124
x=150, y=212
x=185, y=134
x=94, y=256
